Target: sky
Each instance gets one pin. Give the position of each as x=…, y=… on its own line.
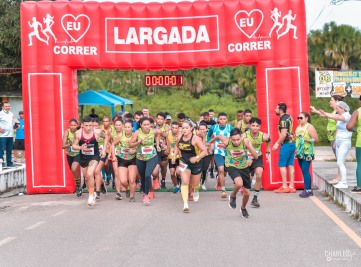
x=318, y=12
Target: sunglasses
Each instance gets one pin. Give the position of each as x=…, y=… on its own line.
x=300, y=118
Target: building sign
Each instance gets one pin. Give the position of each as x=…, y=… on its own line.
x=346, y=83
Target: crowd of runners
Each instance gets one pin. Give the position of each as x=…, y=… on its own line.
x=136, y=150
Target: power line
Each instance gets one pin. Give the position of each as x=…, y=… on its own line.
x=322, y=10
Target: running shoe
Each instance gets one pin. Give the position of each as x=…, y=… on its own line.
x=196, y=196
x=282, y=190
x=84, y=185
x=304, y=194
x=162, y=183
x=176, y=190
x=127, y=193
x=310, y=192
x=232, y=202
x=204, y=188
x=224, y=194
x=255, y=203
x=91, y=199
x=211, y=175
x=79, y=192
x=118, y=196
x=341, y=185
x=97, y=195
x=185, y=208
x=244, y=213
x=151, y=195
x=107, y=182
x=103, y=189
x=146, y=200
x=132, y=199
x=156, y=184
x=356, y=190
x=292, y=190
x=113, y=184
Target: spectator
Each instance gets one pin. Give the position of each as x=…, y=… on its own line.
x=287, y=150
x=306, y=136
x=93, y=115
x=355, y=122
x=343, y=139
x=7, y=122
x=19, y=146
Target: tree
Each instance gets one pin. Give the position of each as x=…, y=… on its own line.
x=10, y=52
x=334, y=46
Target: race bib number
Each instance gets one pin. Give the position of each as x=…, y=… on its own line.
x=161, y=142
x=72, y=150
x=220, y=145
x=237, y=153
x=182, y=167
x=147, y=150
x=125, y=152
x=88, y=151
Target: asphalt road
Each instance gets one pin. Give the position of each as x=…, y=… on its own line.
x=62, y=230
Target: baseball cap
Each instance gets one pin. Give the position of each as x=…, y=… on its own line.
x=168, y=117
x=343, y=105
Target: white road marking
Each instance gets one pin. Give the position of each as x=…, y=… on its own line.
x=36, y=225
x=6, y=240
x=59, y=213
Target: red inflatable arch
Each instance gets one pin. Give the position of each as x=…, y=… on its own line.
x=60, y=37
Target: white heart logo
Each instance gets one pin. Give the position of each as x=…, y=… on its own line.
x=75, y=27
x=249, y=23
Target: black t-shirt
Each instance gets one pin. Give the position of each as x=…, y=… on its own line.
x=286, y=122
x=209, y=123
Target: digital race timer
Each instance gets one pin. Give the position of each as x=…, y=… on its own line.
x=163, y=80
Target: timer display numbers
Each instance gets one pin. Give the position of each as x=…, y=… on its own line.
x=163, y=80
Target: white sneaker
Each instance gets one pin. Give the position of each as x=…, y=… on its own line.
x=341, y=185
x=196, y=196
x=204, y=187
x=185, y=208
x=91, y=199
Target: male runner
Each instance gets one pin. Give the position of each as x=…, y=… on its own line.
x=86, y=140
x=224, y=129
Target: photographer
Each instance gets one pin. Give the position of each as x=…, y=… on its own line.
x=306, y=136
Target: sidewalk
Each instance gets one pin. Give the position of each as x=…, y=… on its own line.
x=325, y=169
x=325, y=153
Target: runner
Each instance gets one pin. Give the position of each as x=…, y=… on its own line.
x=180, y=118
x=118, y=125
x=257, y=138
x=109, y=129
x=86, y=140
x=137, y=116
x=222, y=128
x=237, y=166
x=192, y=150
x=239, y=117
x=147, y=158
x=163, y=131
x=104, y=161
x=244, y=124
x=202, y=133
x=125, y=160
x=19, y=145
x=207, y=120
x=73, y=156
x=172, y=139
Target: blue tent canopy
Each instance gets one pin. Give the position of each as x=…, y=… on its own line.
x=121, y=99
x=93, y=98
